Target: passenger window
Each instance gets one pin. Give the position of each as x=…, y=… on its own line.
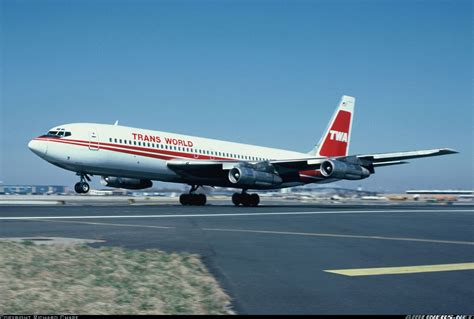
x=139, y=143
x=110, y=139
x=134, y=142
x=115, y=140
x=120, y=141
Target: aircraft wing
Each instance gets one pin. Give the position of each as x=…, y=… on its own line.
x=398, y=157
x=376, y=160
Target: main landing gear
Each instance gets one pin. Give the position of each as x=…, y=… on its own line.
x=245, y=199
x=82, y=187
x=193, y=199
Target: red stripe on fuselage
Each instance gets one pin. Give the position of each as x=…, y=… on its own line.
x=159, y=156
x=136, y=150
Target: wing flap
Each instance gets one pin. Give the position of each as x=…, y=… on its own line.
x=389, y=163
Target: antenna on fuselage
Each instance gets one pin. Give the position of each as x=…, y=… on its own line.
x=116, y=123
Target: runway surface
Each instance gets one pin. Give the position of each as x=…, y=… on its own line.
x=320, y=259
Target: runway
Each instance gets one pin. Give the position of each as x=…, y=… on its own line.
x=294, y=259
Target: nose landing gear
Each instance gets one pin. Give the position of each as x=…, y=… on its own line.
x=245, y=199
x=82, y=187
x=193, y=199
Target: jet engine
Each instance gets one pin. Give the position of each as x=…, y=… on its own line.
x=343, y=170
x=123, y=182
x=248, y=177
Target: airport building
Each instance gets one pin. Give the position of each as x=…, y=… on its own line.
x=32, y=189
x=442, y=194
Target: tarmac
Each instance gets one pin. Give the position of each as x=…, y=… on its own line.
x=411, y=258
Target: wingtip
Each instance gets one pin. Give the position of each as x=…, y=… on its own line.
x=449, y=151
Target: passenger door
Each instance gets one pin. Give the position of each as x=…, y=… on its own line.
x=93, y=140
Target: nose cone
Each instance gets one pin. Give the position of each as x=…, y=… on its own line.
x=38, y=147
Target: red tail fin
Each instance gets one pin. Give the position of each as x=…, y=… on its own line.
x=335, y=141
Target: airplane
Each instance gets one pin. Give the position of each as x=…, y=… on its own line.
x=131, y=158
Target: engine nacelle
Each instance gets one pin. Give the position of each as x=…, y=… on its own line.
x=247, y=176
x=343, y=170
x=123, y=182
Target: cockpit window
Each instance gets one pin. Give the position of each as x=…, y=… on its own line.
x=57, y=134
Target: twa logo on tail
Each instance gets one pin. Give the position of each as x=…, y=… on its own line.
x=338, y=136
x=335, y=140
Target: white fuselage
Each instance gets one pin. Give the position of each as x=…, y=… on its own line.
x=113, y=150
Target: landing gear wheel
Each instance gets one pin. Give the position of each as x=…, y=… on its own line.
x=85, y=187
x=254, y=200
x=184, y=199
x=81, y=187
x=78, y=188
x=236, y=199
x=245, y=199
x=201, y=199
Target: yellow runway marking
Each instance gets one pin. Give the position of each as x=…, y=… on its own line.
x=453, y=242
x=401, y=270
x=103, y=224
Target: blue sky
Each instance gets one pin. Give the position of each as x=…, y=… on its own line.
x=261, y=72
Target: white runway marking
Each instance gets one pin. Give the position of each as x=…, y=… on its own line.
x=271, y=232
x=242, y=214
x=402, y=270
x=103, y=224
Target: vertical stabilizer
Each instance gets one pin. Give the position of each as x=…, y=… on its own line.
x=336, y=138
